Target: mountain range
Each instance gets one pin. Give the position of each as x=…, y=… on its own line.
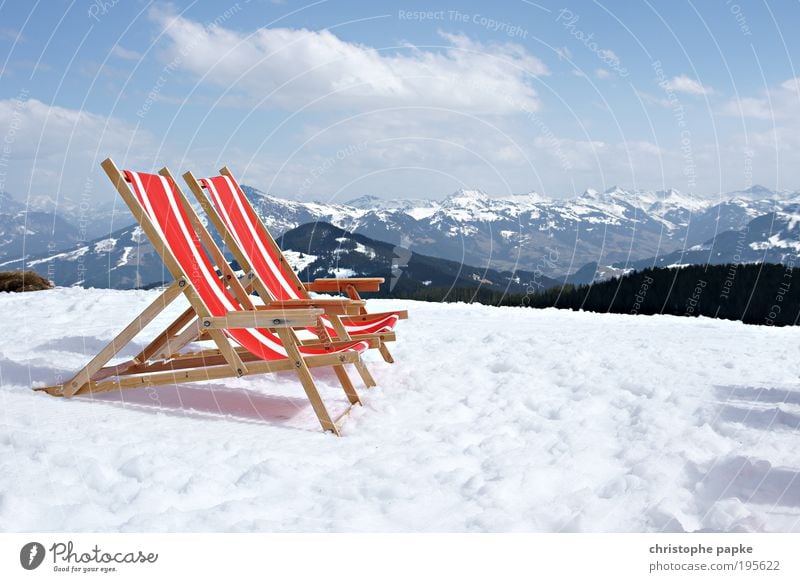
x=773, y=237
x=531, y=232
x=43, y=224
x=515, y=238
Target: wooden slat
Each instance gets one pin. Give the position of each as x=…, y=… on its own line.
x=175, y=344
x=121, y=340
x=215, y=358
x=264, y=319
x=182, y=377
x=155, y=346
x=366, y=284
x=373, y=339
x=331, y=306
x=364, y=317
x=205, y=369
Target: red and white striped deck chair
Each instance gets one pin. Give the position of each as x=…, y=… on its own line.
x=247, y=340
x=272, y=276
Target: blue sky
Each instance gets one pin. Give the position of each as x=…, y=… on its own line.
x=331, y=100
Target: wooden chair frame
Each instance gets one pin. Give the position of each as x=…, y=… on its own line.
x=354, y=309
x=164, y=360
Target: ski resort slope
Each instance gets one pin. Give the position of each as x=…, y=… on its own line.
x=492, y=419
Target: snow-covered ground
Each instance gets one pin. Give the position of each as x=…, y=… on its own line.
x=492, y=419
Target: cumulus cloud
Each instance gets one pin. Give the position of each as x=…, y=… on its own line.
x=56, y=150
x=684, y=84
x=290, y=67
x=776, y=103
x=126, y=54
x=756, y=108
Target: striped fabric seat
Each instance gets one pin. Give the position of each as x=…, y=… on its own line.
x=158, y=198
x=265, y=258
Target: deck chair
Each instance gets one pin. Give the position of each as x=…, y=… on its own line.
x=246, y=340
x=272, y=276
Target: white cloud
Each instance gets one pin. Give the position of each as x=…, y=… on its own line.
x=602, y=73
x=653, y=99
x=781, y=103
x=292, y=67
x=792, y=85
x=684, y=84
x=756, y=108
x=397, y=154
x=56, y=150
x=608, y=55
x=11, y=34
x=126, y=54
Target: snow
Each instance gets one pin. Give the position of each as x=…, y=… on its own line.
x=126, y=254
x=342, y=272
x=138, y=235
x=524, y=200
x=792, y=219
x=421, y=213
x=370, y=254
x=69, y=256
x=359, y=248
x=775, y=242
x=105, y=246
x=298, y=262
x=492, y=419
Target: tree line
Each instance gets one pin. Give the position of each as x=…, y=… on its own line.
x=762, y=294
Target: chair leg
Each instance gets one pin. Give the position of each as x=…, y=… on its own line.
x=87, y=373
x=387, y=355
x=290, y=344
x=316, y=400
x=347, y=385
x=365, y=374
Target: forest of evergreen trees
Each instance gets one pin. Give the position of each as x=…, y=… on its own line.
x=763, y=294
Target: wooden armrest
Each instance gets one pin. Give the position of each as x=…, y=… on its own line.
x=339, y=285
x=331, y=305
x=362, y=317
x=263, y=318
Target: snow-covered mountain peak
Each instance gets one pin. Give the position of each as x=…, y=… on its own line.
x=671, y=199
x=669, y=194
x=466, y=198
x=758, y=192
x=412, y=206
x=616, y=191
x=524, y=201
x=367, y=202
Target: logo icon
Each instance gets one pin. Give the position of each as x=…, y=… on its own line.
x=31, y=555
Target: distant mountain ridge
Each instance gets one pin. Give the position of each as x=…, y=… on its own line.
x=126, y=259
x=773, y=237
x=322, y=250
x=591, y=236
x=533, y=232
x=26, y=231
